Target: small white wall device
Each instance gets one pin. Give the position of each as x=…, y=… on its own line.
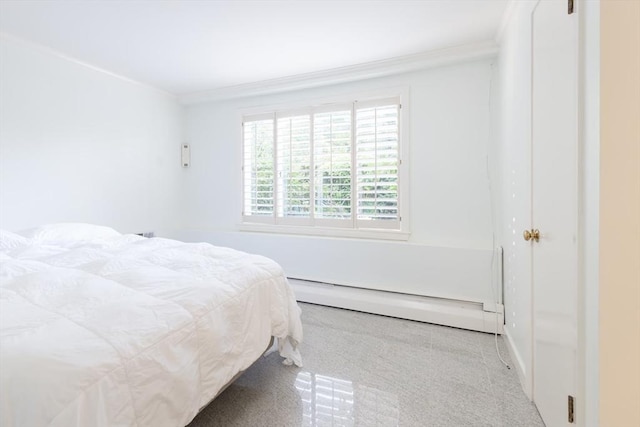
x=186, y=155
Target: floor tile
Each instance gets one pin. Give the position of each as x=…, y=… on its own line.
x=367, y=370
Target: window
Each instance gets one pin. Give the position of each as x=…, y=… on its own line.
x=334, y=166
x=293, y=165
x=258, y=168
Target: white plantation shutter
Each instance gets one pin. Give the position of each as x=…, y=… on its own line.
x=258, y=177
x=294, y=166
x=377, y=161
x=332, y=165
x=336, y=165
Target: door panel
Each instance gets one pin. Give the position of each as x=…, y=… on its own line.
x=554, y=207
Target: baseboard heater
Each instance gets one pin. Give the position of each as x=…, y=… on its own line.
x=441, y=311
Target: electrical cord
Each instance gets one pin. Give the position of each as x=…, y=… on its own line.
x=493, y=219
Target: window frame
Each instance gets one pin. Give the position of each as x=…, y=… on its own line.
x=351, y=228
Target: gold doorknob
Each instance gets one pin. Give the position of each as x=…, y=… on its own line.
x=533, y=234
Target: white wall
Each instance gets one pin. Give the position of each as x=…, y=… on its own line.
x=450, y=204
x=77, y=144
x=515, y=193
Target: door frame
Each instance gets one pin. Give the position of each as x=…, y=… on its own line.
x=587, y=391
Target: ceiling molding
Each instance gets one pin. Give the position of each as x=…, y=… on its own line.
x=10, y=38
x=382, y=68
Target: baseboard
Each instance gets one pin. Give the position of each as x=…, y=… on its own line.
x=459, y=314
x=518, y=364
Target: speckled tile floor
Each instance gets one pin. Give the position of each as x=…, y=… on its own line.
x=367, y=370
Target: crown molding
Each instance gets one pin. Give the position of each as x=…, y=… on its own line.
x=370, y=70
x=382, y=68
x=6, y=37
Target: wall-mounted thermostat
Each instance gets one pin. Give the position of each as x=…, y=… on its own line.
x=186, y=156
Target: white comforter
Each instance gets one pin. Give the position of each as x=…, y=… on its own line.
x=120, y=330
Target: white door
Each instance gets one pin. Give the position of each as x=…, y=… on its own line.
x=554, y=208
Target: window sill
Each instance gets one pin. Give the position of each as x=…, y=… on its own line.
x=377, y=234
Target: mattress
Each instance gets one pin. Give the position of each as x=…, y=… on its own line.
x=98, y=328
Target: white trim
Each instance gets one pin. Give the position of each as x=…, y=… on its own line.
x=293, y=112
x=257, y=117
x=333, y=107
x=379, y=234
x=404, y=162
x=373, y=103
x=268, y=220
x=512, y=8
x=459, y=314
x=518, y=364
x=382, y=68
x=50, y=51
x=504, y=21
x=588, y=391
x=326, y=103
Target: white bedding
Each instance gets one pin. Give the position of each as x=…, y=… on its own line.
x=103, y=329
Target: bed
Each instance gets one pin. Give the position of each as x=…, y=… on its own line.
x=98, y=328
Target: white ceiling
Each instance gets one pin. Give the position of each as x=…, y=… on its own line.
x=195, y=45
